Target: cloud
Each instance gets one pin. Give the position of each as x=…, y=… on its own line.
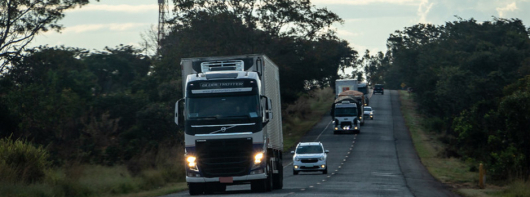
x=509, y=8
x=363, y=2
x=118, y=8
x=100, y=27
x=423, y=10
x=344, y=33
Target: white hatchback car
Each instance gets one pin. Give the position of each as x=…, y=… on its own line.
x=310, y=156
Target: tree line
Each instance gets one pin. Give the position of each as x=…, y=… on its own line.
x=472, y=80
x=114, y=106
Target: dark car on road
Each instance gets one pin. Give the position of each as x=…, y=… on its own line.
x=379, y=89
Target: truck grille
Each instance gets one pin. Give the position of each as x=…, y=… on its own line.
x=224, y=157
x=343, y=124
x=312, y=160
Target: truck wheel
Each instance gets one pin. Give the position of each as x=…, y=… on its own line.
x=195, y=188
x=278, y=178
x=269, y=179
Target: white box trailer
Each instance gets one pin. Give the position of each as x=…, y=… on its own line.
x=232, y=122
x=342, y=85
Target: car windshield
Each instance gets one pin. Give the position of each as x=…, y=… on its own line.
x=367, y=109
x=309, y=149
x=378, y=86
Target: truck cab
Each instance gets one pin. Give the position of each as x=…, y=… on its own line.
x=346, y=117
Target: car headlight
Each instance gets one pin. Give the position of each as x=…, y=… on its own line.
x=371, y=113
x=296, y=158
x=321, y=158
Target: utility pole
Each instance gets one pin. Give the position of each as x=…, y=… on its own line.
x=162, y=10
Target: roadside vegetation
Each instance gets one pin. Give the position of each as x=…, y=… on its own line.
x=460, y=175
x=472, y=80
x=26, y=169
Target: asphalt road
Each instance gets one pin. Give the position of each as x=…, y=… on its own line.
x=380, y=161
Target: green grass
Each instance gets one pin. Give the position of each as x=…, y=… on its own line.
x=451, y=171
x=95, y=180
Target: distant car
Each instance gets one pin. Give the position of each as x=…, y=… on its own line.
x=310, y=156
x=379, y=89
x=368, y=112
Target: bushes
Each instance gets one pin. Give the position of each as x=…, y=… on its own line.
x=21, y=161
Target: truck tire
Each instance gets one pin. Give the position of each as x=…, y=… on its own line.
x=264, y=184
x=278, y=178
x=195, y=188
x=270, y=180
x=258, y=185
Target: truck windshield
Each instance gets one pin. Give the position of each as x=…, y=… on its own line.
x=223, y=107
x=345, y=111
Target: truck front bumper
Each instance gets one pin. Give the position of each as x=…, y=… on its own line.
x=216, y=179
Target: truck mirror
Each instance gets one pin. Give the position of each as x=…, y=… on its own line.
x=177, y=111
x=265, y=109
x=269, y=108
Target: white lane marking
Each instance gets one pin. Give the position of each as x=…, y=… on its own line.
x=323, y=130
x=291, y=163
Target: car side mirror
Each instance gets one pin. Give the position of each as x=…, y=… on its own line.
x=327, y=151
x=292, y=152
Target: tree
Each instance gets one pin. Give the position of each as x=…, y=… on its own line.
x=21, y=20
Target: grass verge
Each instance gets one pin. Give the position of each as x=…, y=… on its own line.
x=301, y=116
x=450, y=171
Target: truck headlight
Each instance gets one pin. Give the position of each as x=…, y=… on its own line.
x=191, y=163
x=257, y=158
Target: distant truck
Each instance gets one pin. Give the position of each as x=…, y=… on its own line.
x=342, y=85
x=347, y=112
x=362, y=87
x=232, y=123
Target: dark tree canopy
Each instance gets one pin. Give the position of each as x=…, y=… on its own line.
x=293, y=34
x=21, y=20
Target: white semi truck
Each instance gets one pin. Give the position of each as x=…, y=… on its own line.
x=232, y=123
x=347, y=112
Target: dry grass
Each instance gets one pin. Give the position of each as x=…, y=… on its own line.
x=301, y=116
x=450, y=171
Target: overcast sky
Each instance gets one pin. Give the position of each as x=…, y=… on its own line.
x=368, y=23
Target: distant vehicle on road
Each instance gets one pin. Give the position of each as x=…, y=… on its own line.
x=368, y=112
x=310, y=156
x=379, y=89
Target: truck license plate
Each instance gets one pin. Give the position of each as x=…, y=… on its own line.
x=226, y=179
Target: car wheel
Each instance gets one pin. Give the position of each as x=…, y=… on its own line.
x=325, y=171
x=295, y=172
